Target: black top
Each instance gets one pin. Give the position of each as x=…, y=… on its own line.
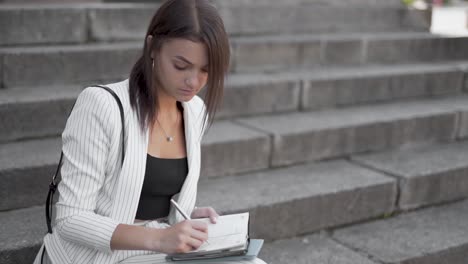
x=163, y=179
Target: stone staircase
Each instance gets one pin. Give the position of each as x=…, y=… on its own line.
x=343, y=129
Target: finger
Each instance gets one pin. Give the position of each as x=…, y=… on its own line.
x=195, y=213
x=200, y=212
x=199, y=235
x=199, y=225
x=186, y=248
x=213, y=215
x=195, y=243
x=213, y=219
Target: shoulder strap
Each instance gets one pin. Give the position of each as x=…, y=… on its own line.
x=122, y=117
x=53, y=184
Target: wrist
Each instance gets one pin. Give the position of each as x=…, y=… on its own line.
x=153, y=239
x=192, y=214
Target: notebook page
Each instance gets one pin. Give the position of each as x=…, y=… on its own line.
x=230, y=231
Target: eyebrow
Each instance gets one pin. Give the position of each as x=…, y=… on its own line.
x=187, y=61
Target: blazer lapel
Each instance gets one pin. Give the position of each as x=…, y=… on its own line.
x=131, y=177
x=130, y=181
x=187, y=196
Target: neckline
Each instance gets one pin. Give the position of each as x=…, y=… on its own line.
x=167, y=159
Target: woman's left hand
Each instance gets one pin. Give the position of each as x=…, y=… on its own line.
x=205, y=212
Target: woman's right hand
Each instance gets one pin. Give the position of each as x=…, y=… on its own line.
x=182, y=237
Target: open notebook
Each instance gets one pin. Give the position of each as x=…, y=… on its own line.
x=228, y=237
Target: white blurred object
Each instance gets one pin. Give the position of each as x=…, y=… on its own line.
x=420, y=5
x=450, y=20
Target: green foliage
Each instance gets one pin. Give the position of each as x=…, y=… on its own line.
x=408, y=2
x=387, y=215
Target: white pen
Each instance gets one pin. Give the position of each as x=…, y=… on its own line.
x=182, y=212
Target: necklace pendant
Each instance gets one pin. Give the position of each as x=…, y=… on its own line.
x=169, y=139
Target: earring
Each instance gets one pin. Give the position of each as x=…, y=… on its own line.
x=152, y=64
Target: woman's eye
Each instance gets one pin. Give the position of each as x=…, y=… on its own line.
x=180, y=68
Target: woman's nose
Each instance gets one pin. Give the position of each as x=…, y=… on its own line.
x=193, y=80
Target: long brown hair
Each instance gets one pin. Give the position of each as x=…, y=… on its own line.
x=195, y=20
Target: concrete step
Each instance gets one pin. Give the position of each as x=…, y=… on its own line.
x=229, y=148
x=434, y=235
x=251, y=94
x=319, y=188
x=21, y=234
x=267, y=18
x=301, y=199
x=27, y=166
x=426, y=174
x=298, y=137
x=32, y=24
x=311, y=249
x=330, y=87
x=386, y=3
x=322, y=2
x=35, y=111
x=67, y=64
x=349, y=86
x=426, y=236
x=101, y=62
x=259, y=143
x=274, y=53
x=26, y=169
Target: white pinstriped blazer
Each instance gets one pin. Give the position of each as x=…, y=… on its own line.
x=96, y=194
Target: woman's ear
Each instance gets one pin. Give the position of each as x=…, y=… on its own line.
x=149, y=41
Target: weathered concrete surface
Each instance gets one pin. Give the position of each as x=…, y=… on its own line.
x=29, y=113
x=26, y=169
x=21, y=234
x=427, y=174
x=324, y=134
x=68, y=64
x=35, y=25
x=431, y=236
x=127, y=21
x=253, y=94
x=26, y=24
x=261, y=18
x=281, y=52
x=370, y=86
x=244, y=98
x=311, y=249
x=387, y=50
x=301, y=199
x=229, y=148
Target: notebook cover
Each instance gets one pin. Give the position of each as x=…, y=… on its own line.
x=255, y=246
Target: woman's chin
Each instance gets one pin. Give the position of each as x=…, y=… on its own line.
x=184, y=98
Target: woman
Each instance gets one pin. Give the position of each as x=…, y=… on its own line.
x=113, y=213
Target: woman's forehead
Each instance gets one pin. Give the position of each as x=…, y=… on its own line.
x=194, y=52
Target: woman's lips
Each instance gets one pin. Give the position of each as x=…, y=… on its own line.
x=186, y=92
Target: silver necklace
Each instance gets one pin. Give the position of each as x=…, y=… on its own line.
x=168, y=138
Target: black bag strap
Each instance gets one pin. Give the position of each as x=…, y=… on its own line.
x=53, y=184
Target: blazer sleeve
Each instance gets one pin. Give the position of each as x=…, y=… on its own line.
x=86, y=140
x=200, y=112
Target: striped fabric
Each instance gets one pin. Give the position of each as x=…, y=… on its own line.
x=96, y=192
